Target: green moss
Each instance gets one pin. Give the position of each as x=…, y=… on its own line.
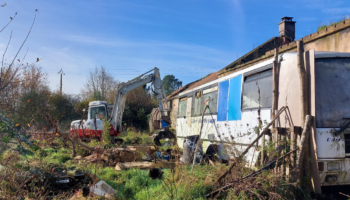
x=324, y=26
x=320, y=28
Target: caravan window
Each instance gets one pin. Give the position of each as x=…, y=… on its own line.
x=200, y=99
x=252, y=84
x=197, y=104
x=332, y=76
x=182, y=107
x=211, y=95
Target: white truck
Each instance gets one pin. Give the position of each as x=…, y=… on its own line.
x=99, y=110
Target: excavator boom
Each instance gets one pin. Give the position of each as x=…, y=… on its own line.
x=124, y=88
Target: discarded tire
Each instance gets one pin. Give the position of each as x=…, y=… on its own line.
x=155, y=173
x=162, y=135
x=189, y=148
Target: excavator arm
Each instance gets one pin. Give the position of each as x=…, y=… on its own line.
x=125, y=87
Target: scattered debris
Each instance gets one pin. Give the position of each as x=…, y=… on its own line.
x=168, y=143
x=86, y=191
x=269, y=165
x=113, y=156
x=102, y=189
x=78, y=158
x=155, y=173
x=139, y=165
x=189, y=147
x=163, y=135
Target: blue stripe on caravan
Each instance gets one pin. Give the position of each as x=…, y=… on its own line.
x=223, y=99
x=234, y=100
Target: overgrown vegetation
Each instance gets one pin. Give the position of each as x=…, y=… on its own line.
x=323, y=26
x=29, y=155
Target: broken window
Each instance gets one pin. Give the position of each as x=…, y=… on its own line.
x=201, y=98
x=182, y=107
x=212, y=98
x=197, y=104
x=347, y=143
x=252, y=84
x=332, y=76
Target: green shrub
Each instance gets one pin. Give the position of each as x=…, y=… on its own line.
x=132, y=137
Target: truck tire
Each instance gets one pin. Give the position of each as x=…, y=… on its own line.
x=162, y=135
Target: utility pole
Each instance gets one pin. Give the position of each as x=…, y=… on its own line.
x=61, y=72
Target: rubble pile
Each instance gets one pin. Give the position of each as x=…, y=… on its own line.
x=113, y=156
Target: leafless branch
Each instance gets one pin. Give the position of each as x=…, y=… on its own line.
x=8, y=70
x=12, y=18
x=3, y=56
x=30, y=30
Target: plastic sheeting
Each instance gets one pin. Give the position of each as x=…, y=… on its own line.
x=234, y=101
x=223, y=100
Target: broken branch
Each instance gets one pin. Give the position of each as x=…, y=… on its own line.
x=199, y=139
x=303, y=142
x=247, y=149
x=266, y=167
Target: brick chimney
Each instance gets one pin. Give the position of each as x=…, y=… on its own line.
x=287, y=28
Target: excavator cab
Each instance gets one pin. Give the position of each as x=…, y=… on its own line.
x=98, y=112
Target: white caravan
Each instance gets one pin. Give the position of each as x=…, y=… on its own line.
x=236, y=99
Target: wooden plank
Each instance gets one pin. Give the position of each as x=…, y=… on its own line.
x=274, y=97
x=136, y=165
x=303, y=146
x=292, y=146
x=145, y=165
x=140, y=148
x=310, y=64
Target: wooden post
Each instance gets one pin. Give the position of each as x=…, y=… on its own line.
x=275, y=96
x=275, y=86
x=303, y=84
x=303, y=145
x=292, y=146
x=301, y=71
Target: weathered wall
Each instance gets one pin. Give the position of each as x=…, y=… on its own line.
x=289, y=92
x=339, y=41
x=173, y=104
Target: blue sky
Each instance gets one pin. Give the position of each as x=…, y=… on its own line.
x=186, y=38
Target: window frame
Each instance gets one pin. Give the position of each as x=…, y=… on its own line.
x=263, y=69
x=202, y=90
x=178, y=106
x=98, y=106
x=317, y=118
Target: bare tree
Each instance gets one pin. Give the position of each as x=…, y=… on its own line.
x=10, y=71
x=33, y=78
x=100, y=85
